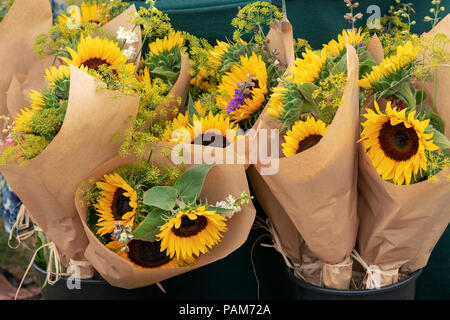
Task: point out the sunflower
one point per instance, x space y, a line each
303 135
404 56
309 68
191 232
94 52
89 12
396 143
118 203
180 122
216 54
174 39
213 130
276 103
243 90
335 48
22 122
143 255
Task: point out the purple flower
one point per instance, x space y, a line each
238 99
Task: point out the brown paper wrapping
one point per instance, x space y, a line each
400 225
176 99
281 39
317 188
18 31
121 273
46 183
33 76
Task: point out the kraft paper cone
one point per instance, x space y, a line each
176 98
18 31
121 273
375 48
281 39
125 19
317 188
46 183
400 225
23 82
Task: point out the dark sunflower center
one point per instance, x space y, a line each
189 228
212 139
94 63
120 204
398 142
308 142
147 254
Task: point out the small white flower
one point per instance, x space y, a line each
130 52
129 36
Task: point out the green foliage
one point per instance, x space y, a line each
190 184
296 104
165 65
150 226
162 197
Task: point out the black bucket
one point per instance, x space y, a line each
90 289
403 290
231 278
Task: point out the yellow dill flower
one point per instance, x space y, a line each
405 55
309 68
396 144
250 78
191 233
174 39
303 135
335 48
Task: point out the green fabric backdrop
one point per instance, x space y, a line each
318 22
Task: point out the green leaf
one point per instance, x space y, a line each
150 227
437 122
307 89
191 108
190 183
440 140
162 197
421 95
341 65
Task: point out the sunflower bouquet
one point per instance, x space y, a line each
94 77
152 220
404 155
232 82
315 107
